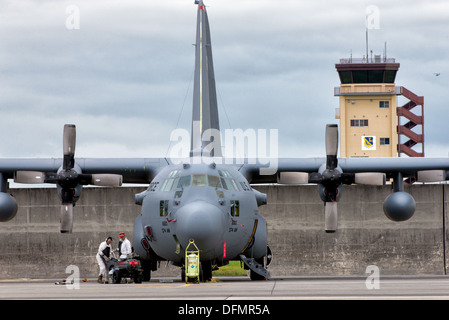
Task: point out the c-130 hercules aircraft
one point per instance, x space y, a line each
205 198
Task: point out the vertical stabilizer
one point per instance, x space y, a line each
205 111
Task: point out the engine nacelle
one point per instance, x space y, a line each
8 207
399 206
77 189
322 192
76 194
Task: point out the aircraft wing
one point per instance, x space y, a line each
408 167
133 170
330 174
69 175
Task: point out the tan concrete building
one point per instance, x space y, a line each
369 117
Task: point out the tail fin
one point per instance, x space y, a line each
205 122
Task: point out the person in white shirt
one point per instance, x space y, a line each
125 247
103 254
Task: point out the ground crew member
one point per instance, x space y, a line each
104 252
125 247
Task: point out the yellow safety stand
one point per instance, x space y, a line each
192 263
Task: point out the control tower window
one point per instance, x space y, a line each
384 104
359 123
345 77
390 75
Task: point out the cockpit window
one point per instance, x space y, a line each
199 180
171 181
227 181
224 174
214 182
174 181
173 174
184 182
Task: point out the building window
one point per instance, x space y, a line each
359 123
384 104
384 141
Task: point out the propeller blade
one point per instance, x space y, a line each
66 218
331 146
69 142
330 217
370 178
331 139
29 177
107 180
69 139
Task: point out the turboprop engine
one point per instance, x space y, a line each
331 178
398 206
69 179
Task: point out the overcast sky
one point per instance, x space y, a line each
125 77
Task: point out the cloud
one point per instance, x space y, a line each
125 77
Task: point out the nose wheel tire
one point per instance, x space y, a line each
205 272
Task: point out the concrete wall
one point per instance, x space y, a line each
31 245
364 237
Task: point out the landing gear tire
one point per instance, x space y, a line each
206 271
146 276
255 277
138 278
116 277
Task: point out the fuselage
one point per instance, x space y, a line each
214 205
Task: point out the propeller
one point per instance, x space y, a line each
330 179
68 179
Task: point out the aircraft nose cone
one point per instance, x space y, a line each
202 222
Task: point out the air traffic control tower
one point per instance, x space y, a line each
371 123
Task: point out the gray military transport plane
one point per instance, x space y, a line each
208 198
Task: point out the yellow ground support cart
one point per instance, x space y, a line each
192 263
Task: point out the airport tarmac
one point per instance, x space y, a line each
236 288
